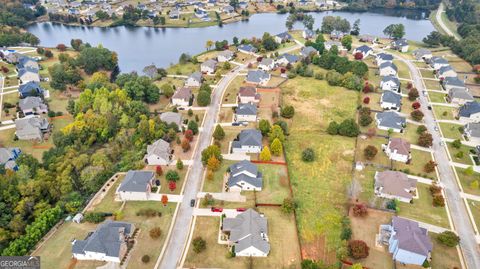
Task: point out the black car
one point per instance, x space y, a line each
192 202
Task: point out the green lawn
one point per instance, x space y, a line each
444 112
415 167
443 257
427 73
409 133
403 71
450 130
423 210
230 95
436 97
183 69
466 181
275 184
216 185
475 208
381 158
462 157
432 84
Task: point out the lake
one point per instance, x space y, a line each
141 46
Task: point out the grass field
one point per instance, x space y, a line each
463 157
450 130
436 97
275 184
475 208
466 181
415 167
444 112
216 185
432 84
230 95
403 71
381 158
427 73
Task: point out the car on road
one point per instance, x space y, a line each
442 143
424 93
435 128
192 202
181 108
241 209
235 123
217 209
429 107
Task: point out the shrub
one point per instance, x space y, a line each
308 155
199 244
417 115
429 166
219 133
265 155
416 105
435 189
333 128
448 238
179 164
456 143
348 128
459 154
358 249
421 129
155 232
94 217
360 210
413 94
172 175
370 152
425 140
147 212
366 100
158 170
287 112
288 205
365 120
392 205
145 259
438 201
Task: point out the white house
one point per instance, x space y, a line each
182 97
391 101
437 62
397 149
469 112
248 94
390 120
209 66
390 83
446 71
225 56
136 186
248 141
387 69
194 80
329 44
308 34
400 45
422 54
158 153
246 113
472 131
244 176
282 37
266 64
382 58
364 50
258 77
395 185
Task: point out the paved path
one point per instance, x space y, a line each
421 179
430 227
207 212
470 196
1 94
443 104
417 147
451 121
225 196
453 197
438 16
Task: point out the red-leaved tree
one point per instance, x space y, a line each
172 185
189 135
366 100
358 56
159 170
358 249
360 210
416 105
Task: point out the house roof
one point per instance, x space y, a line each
266 61
364 49
460 93
453 81
105 239
388 65
438 60
385 56
160 148
237 174
390 119
29 87
27 70
400 42
30 125
289 57
473 129
247 91
136 181
6 154
226 53
469 109
30 102
391 97
248 229
395 183
284 36
257 76
306 51
210 63
246 109
411 237
333 43
197 76
183 93
243 166
401 145
172 117
27 61
445 69
247 47
419 53
248 137
391 78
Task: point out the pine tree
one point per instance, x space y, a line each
219 133
265 155
276 147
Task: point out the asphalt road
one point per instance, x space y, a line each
456 206
438 16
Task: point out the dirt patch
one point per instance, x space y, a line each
316 250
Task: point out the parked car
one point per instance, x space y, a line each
192 202
181 108
429 107
235 123
217 209
435 128
241 209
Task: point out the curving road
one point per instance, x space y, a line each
439 19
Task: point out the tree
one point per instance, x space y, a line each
213 163
347 42
268 42
172 185
421 129
290 21
358 56
172 175
212 150
155 232
164 200
355 28
360 210
308 155
287 111
185 145
48 54
395 31
219 133
158 170
448 238
61 47
199 244
416 105
365 120
358 249
333 128
76 43
264 127
145 258
370 152
348 128
366 100
276 147
179 164
209 44
425 140
265 155
417 115
469 171
167 90
203 98
189 135
308 21
93 59
429 166
276 132
193 126
413 94
288 205
457 144
356 266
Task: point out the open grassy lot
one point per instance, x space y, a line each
403 71
316 104
196 113
216 185
374 100
284 252
432 84
415 167
444 112
467 180
230 134
409 133
230 95
427 73
226 114
443 257
183 69
380 159
423 210
436 97
475 208
463 157
450 130
275 184
11 99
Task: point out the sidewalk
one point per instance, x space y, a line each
207 212
430 227
421 179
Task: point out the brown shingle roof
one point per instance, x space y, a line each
183 93
402 146
395 183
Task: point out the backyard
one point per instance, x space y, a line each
275 184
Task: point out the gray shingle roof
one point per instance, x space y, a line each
391 78
248 137
473 129
460 93
248 229
364 49
31 127
289 57
385 56
391 97
172 117
210 63
306 51
453 81
444 69
29 87
284 36
136 181
226 53
266 61
469 109
438 60
31 102
238 174
247 47
256 76
159 148
246 109
183 93
387 65
400 42
197 76
395 183
390 119
411 237
419 53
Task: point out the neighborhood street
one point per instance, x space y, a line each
438 16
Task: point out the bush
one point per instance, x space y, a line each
155 232
366 100
365 120
287 112
448 238
438 201
459 155
358 249
413 94
348 128
417 115
421 129
199 244
392 205
370 152
457 143
308 155
360 210
147 212
288 205
333 128
425 140
145 259
429 166
172 175
94 217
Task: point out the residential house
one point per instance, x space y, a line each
395 185
308 51
248 94
8 157
459 96
31 128
248 141
257 77
390 120
266 64
446 71
225 56
469 112
182 97
243 5
390 83
400 45
202 14
286 59
247 49
31 88
209 66
382 58
158 153
308 34
246 112
391 101
32 105
28 74
248 234
107 243
367 38
244 176
437 62
27 62
364 50
336 35
398 149
194 80
283 37
136 186
407 241
472 131
387 69
422 54
12 57
452 82
228 9
329 44
211 3
172 117
174 14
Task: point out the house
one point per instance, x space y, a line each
248 234
174 14
282 37
308 34
364 50
182 97
257 77
308 51
446 71
32 105
248 141
209 66
225 56
211 3
329 44
12 57
31 88
158 153
382 58
8 157
136 186
247 49
31 128
194 80
28 74
244 176
27 62
286 59
248 94
336 35
459 96
407 242
367 38
266 64
201 14
390 120
172 117
397 149
390 83
452 82
243 5
469 112
422 54
437 62
387 69
228 9
391 101
246 112
395 185
400 45
472 131
107 243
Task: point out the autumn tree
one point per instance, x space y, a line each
212 150
155 232
358 249
417 115
199 244
164 200
265 155
189 135
413 94
360 210
370 152
185 145
366 100
276 132
276 147
416 105
429 166
213 163
158 170
425 140
172 185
